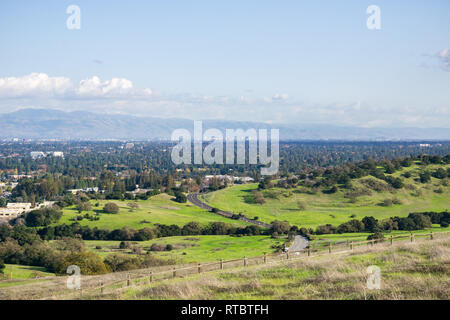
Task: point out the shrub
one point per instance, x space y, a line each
421 221
351 226
124 245
301 205
121 262
326 229
111 207
425 177
84 206
407 174
144 234
387 203
332 190
158 247
440 173
258 197
397 183
370 224
180 197
378 236
88 262
280 227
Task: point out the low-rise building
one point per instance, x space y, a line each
15 209
93 189
37 154
58 154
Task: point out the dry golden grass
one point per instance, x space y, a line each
408 271
417 270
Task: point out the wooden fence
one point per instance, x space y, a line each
147 276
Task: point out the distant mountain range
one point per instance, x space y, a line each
82 125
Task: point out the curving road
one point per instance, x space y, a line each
193 198
299 243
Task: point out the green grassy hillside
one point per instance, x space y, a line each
306 207
158 209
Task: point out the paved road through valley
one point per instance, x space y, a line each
299 243
193 198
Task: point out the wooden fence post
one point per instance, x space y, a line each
151 276
351 245
174 272
199 268
411 237
309 251
392 239
102 287
128 280
245 261
431 235
265 258
221 264
329 248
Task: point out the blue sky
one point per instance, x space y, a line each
272 61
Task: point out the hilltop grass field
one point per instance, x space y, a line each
159 209
320 208
408 271
325 239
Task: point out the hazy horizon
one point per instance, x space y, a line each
296 62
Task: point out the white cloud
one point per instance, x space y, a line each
42 85
118 95
93 87
444 58
34 84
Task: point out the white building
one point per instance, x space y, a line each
37 154
75 191
58 154
15 209
24 206
229 178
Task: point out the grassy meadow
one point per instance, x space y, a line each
319 208
14 274
188 249
157 209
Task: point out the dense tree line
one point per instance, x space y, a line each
414 221
147 162
20 246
